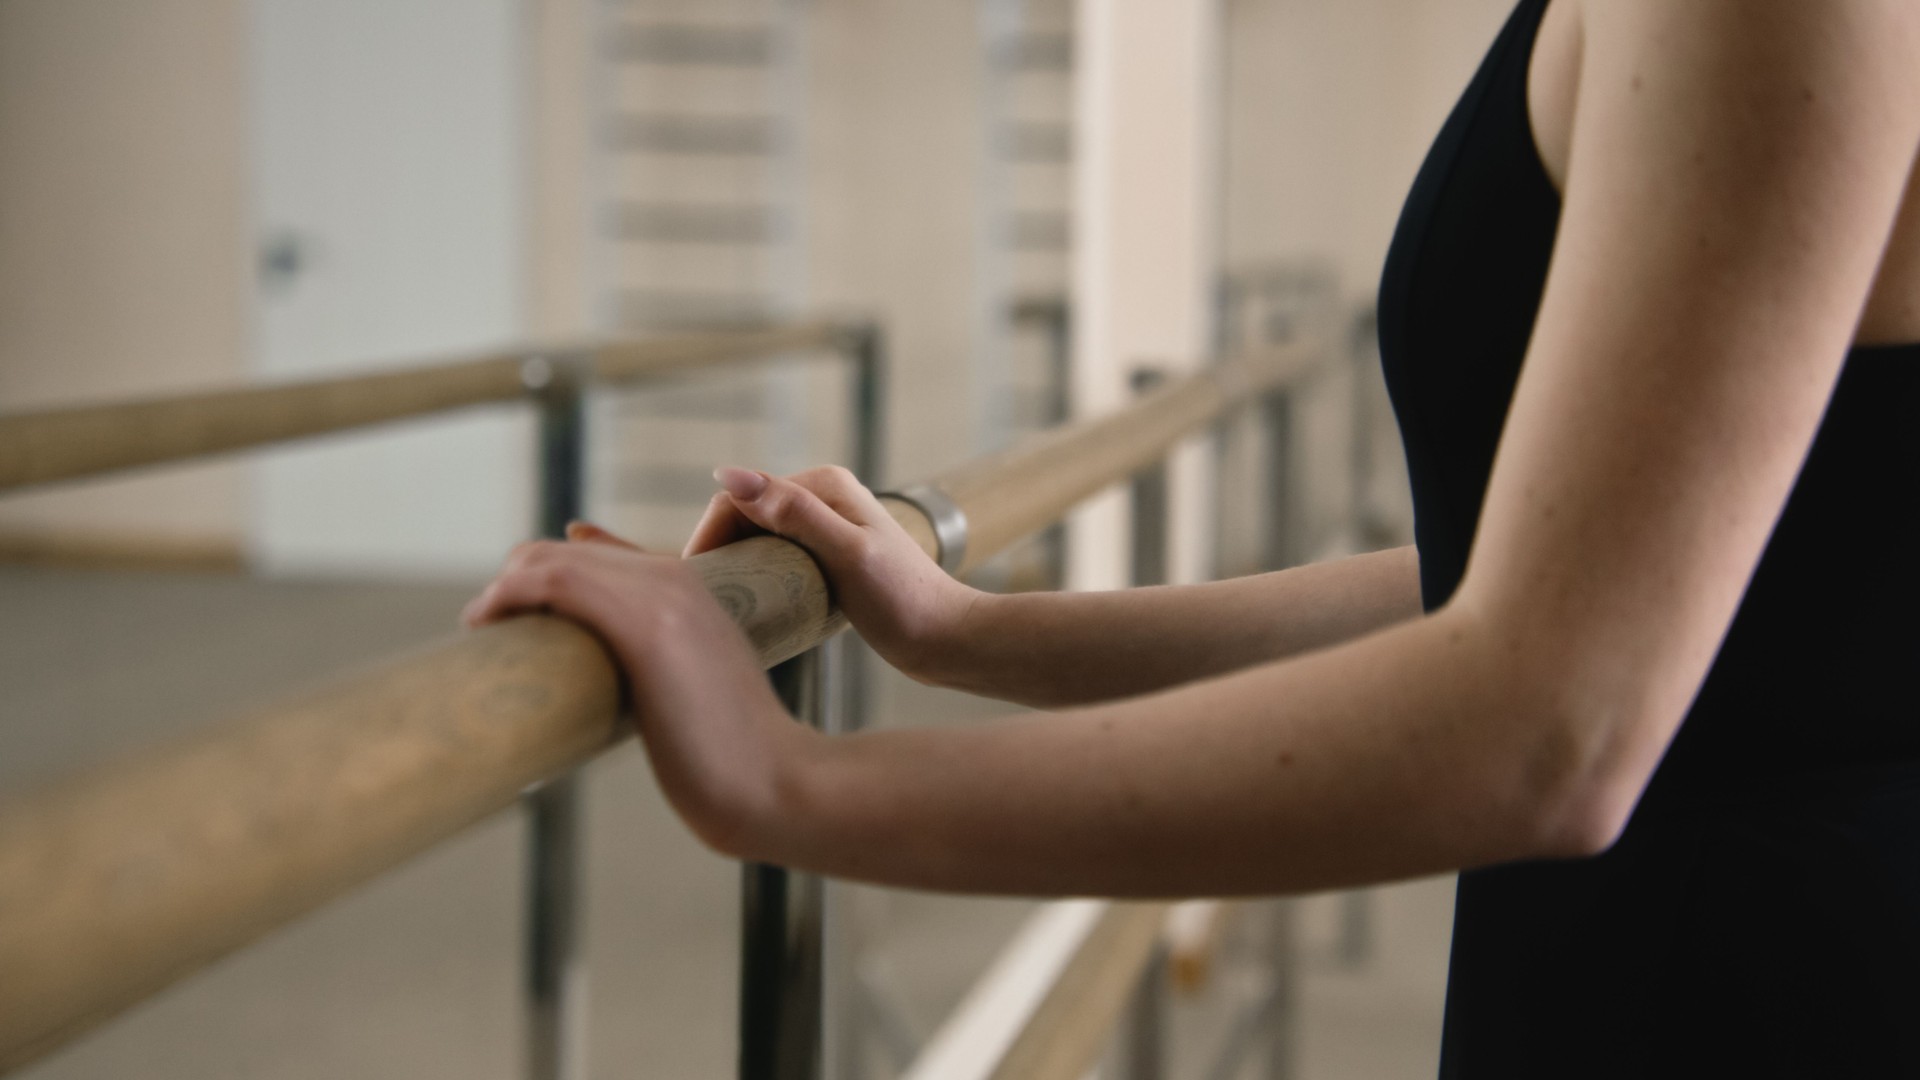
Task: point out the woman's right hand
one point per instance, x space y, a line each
902 603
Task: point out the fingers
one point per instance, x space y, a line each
744 485
794 511
727 519
722 524
586 532
539 576
535 573
532 580
843 491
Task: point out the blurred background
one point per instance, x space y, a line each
1029 197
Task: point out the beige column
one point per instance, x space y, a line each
1146 197
125 254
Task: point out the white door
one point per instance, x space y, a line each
388 213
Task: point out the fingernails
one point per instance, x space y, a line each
582 531
741 483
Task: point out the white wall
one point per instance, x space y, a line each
386 142
141 144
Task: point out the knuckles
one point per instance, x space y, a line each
776 503
836 481
532 554
865 555
550 579
542 563
831 477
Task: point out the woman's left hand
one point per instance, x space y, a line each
718 739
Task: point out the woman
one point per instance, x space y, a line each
1666 740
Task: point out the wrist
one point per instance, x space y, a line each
772 827
949 658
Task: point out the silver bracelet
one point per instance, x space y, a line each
948 520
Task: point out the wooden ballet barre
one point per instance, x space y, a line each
125 879
1056 469
1195 934
1044 1009
64 444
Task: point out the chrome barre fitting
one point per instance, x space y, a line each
536 373
948 520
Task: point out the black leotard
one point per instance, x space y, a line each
1761 913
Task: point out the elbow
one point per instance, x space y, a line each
1587 718
1585 822
1585 779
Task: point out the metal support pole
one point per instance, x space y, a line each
1059 411
1283 1008
1371 531
555 982
844 1005
866 349
1060 363
1150 504
555 987
1224 451
1356 907
840 1017
1143 1048
1270 1021
1282 502
1143 1036
782 946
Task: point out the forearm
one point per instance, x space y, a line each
1052 650
1318 772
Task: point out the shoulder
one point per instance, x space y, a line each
1767 48
1698 52
1728 111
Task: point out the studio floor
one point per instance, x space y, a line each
415 976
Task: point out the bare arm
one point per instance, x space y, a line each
1051 649
1736 168
1061 649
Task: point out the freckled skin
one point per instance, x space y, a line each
1733 173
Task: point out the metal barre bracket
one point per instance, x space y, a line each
536 373
948 520
551 373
